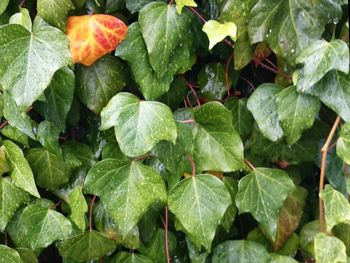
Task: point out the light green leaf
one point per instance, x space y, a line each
78 207
199 203
14 134
182 3
5 167
343 143
87 246
37 227
9 255
55 13
240 251
296 112
47 135
3 5
59 98
22 18
49 169
17 117
275 258
329 249
217 32
254 196
21 174
139 125
28 60
125 257
337 208
163 31
262 105
11 198
318 59
126 189
97 84
242 119
290 26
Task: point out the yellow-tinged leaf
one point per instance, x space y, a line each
181 3
217 32
93 36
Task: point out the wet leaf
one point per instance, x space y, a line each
329 249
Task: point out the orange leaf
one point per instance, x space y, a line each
93 36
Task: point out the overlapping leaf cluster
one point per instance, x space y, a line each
166 148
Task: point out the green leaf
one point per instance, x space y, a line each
337 208
48 135
232 186
126 189
196 255
37 227
97 84
262 105
296 112
217 32
290 26
240 251
212 81
114 6
21 174
275 258
125 257
343 143
163 30
87 246
55 13
30 61
9 255
254 196
11 198
3 5
182 3
5 167
318 59
15 135
76 152
176 94
242 119
199 203
22 18
329 249
139 125
135 6
27 255
59 98
78 207
342 231
217 145
17 117
307 237
49 169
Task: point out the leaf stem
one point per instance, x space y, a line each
324 152
193 165
166 235
171 2
2 125
190 86
92 203
251 166
186 121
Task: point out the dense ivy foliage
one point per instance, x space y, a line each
186 131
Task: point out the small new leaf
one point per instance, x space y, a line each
182 3
217 32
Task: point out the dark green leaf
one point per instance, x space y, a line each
48 135
124 257
342 231
136 5
114 5
307 237
75 152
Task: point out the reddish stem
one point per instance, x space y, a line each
248 82
187 121
193 165
227 75
189 102
185 102
91 208
166 235
251 166
190 86
2 125
171 2
271 63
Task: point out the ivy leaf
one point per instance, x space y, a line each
87 246
59 98
232 186
47 135
22 18
126 189
307 237
78 153
163 30
49 170
262 105
93 36
296 112
275 258
55 13
11 198
199 203
29 63
21 174
78 207
318 59
337 208
135 6
97 84
329 249
214 133
38 226
3 5
342 231
343 143
17 117
139 125
15 135
124 257
9 255
242 119
254 196
303 23
240 251
217 32
4 164
182 3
